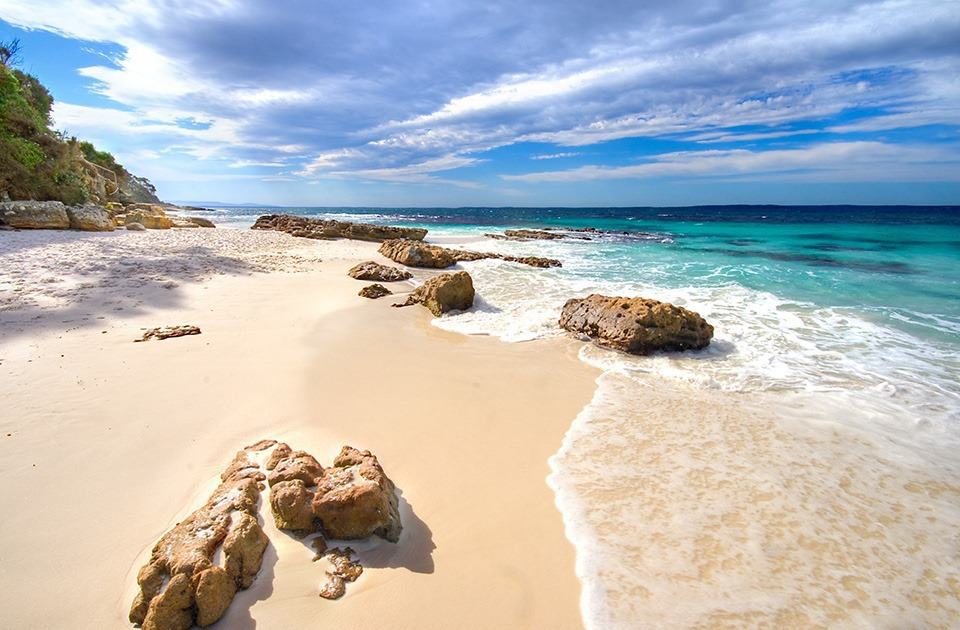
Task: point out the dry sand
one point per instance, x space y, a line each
105 443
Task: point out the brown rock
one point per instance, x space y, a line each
298 465
166 332
136 227
149 219
172 609
243 550
200 222
282 451
443 293
355 498
326 229
636 325
374 291
90 218
291 503
375 271
417 254
214 592
333 588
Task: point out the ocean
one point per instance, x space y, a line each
845 320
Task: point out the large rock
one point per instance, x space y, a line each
243 549
34 215
375 271
200 222
355 498
636 325
215 591
328 229
298 465
443 293
150 216
172 609
90 218
291 502
417 254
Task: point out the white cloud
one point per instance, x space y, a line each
554 156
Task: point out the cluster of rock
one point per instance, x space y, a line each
166 332
326 229
54 215
635 325
420 254
444 293
182 585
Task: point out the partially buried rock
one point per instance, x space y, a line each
375 271
444 293
636 325
356 499
375 291
166 332
136 227
292 505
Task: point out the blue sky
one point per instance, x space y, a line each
503 103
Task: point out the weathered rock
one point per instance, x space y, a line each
417 254
149 220
90 218
343 570
200 222
165 332
333 588
214 592
34 215
356 499
172 609
182 223
526 235
282 451
243 549
375 271
375 291
636 325
291 502
136 227
326 229
298 465
444 293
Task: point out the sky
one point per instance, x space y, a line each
505 103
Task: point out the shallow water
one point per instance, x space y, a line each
800 471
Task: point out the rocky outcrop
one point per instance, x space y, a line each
635 325
444 293
197 590
527 235
326 229
135 189
355 498
375 271
34 215
375 291
167 332
90 218
151 216
418 254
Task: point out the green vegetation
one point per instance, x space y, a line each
35 161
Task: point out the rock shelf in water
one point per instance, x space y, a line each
326 229
419 254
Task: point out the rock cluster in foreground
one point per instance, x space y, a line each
444 293
636 325
183 584
54 215
419 254
326 229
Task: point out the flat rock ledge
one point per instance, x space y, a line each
183 584
419 254
635 325
444 293
326 229
381 273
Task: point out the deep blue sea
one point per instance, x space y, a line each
842 323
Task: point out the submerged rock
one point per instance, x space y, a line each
356 499
444 293
375 271
636 325
34 215
418 254
328 229
375 291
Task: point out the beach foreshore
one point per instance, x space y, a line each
106 443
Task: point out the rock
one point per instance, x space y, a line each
136 227
243 550
636 325
443 293
326 229
173 609
526 235
34 215
200 222
417 254
282 451
291 502
355 498
90 218
375 271
344 570
215 591
166 332
137 189
375 291
149 221
298 465
333 588
179 222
